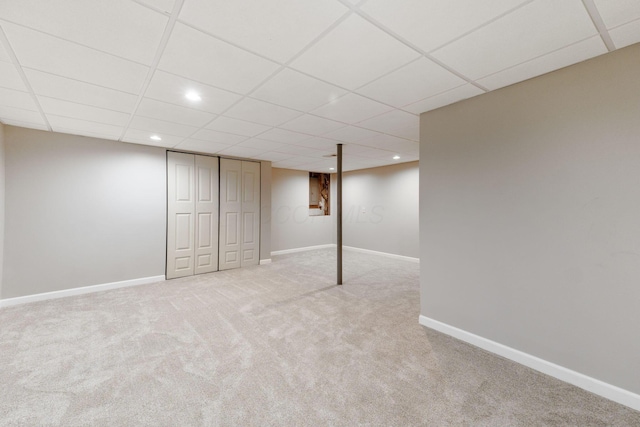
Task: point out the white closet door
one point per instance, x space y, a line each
250 249
230 213
181 213
206 214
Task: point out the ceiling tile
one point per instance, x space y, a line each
283 135
90 134
312 125
119 27
17 99
261 144
171 88
173 113
142 137
209 147
626 35
195 55
431 23
160 127
273 156
392 143
396 122
355 164
531 31
53 86
544 64
215 136
351 108
68 125
618 12
368 152
237 151
20 114
277 29
351 134
10 78
296 90
322 166
82 112
52 55
23 124
411 83
353 54
164 6
353 150
319 143
293 161
297 150
445 98
4 55
235 126
261 112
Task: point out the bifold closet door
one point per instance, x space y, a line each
250 250
239 213
206 214
180 215
192 209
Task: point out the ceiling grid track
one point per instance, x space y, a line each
593 12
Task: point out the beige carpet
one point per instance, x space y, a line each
275 345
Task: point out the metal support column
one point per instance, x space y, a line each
339 213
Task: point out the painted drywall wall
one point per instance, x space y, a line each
81 211
291 225
2 181
529 224
265 210
380 209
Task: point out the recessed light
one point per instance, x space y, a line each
192 96
155 138
332 169
396 157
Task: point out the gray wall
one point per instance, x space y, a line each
81 211
291 225
530 217
380 209
2 181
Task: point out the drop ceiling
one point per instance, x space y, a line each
282 80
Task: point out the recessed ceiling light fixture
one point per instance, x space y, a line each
332 169
155 138
192 96
396 157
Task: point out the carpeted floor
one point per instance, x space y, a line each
275 345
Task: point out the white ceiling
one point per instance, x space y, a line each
282 80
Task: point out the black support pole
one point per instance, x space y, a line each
339 213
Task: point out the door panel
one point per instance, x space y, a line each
230 212
247 231
250 213
184 231
206 207
180 215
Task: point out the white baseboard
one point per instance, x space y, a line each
265 261
304 249
386 254
593 385
79 291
